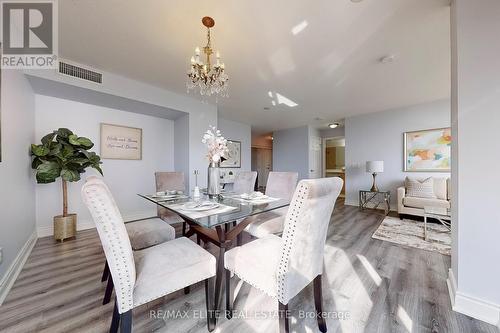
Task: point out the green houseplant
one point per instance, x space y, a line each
66 155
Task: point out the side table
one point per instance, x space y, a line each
375 197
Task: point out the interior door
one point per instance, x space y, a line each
315 157
262 162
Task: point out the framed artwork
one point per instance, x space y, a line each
121 142
428 150
233 158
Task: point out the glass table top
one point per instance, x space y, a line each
242 208
441 211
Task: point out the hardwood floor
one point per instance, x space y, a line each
374 286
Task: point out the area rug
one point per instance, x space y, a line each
411 233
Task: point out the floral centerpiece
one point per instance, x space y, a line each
216 144
217 148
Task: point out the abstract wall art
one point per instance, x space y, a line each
233 156
428 150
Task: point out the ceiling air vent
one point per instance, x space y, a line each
79 72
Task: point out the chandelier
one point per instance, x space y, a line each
207 77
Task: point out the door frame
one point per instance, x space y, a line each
323 147
263 148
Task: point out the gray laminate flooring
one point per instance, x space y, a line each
369 286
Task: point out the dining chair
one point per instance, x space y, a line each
244 182
142 234
279 185
282 266
149 274
170 181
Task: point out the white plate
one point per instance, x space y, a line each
200 208
253 196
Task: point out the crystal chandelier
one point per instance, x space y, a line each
209 78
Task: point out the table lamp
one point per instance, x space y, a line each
374 167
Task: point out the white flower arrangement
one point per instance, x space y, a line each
216 144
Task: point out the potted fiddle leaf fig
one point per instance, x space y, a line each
66 155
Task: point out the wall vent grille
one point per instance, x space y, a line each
79 72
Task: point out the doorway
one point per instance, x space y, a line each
262 162
334 159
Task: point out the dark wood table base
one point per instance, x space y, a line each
223 236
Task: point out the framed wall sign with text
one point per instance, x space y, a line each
121 142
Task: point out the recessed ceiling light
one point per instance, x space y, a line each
333 125
267 108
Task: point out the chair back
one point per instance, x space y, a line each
168 181
281 184
114 239
304 234
244 182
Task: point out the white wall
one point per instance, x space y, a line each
379 136
233 130
17 184
181 147
125 178
291 151
201 114
475 126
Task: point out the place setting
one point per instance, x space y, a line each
253 198
201 208
163 196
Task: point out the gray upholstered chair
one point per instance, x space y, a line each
149 274
170 181
142 234
244 182
279 185
282 266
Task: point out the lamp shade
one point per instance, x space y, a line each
374 166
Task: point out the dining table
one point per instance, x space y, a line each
222 226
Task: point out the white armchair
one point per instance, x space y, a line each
415 206
282 266
148 274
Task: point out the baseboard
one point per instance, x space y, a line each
16 266
452 286
472 306
84 224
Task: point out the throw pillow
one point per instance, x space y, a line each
420 188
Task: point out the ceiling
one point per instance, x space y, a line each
331 68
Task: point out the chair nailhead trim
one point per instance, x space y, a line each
288 236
